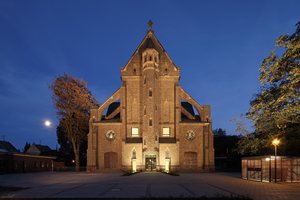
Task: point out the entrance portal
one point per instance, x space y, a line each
150 162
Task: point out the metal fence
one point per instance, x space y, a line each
262 168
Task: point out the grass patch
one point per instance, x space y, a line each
170 173
130 173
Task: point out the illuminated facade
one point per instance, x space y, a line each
150 123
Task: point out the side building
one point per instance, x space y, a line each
150 123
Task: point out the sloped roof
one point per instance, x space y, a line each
7 147
43 148
112 107
188 107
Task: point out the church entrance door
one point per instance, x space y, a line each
150 162
110 160
190 160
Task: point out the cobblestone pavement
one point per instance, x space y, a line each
145 184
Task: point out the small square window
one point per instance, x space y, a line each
166 132
135 132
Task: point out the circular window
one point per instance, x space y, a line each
110 135
190 135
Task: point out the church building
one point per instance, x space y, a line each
150 122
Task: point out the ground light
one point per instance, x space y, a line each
275 143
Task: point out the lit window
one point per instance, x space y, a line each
135 132
166 132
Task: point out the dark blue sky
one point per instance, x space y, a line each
218 45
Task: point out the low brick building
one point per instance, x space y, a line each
19 162
150 123
12 161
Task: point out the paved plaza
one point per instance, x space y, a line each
144 184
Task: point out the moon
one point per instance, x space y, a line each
47 123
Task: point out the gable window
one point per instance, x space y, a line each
134 132
166 132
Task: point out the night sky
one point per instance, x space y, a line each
218 45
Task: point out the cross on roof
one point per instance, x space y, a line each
150 24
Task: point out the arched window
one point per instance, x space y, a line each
166 71
134 71
150 93
150 122
134 154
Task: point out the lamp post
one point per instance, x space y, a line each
275 142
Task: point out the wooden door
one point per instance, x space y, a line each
110 160
190 160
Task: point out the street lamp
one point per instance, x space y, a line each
275 142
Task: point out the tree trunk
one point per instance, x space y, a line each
76 152
77 161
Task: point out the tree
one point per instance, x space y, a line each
72 99
26 147
275 108
278 102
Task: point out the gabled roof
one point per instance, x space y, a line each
37 149
150 41
7 147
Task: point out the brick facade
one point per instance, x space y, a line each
149 127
